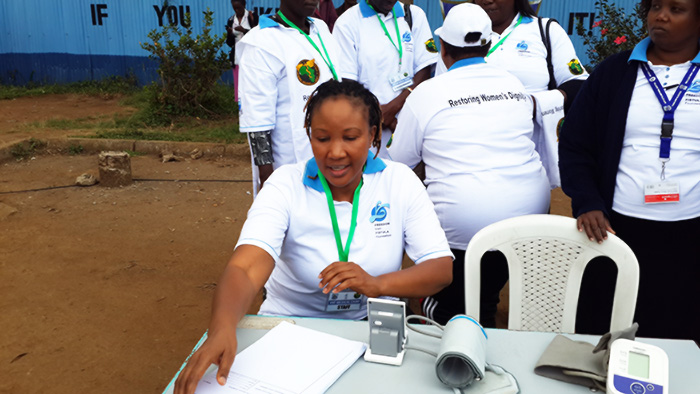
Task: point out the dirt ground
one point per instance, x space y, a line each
107 290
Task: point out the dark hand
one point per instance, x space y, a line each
595 224
389 111
218 349
240 28
347 275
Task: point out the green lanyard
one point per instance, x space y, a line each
520 19
343 253
327 58
398 36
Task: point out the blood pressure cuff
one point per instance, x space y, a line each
462 356
565 355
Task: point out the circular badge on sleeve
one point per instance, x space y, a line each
575 67
430 46
559 125
308 72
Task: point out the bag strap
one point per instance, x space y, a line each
547 41
408 17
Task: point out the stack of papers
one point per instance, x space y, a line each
288 360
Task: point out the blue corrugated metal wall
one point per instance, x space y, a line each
72 40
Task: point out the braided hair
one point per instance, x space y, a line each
356 93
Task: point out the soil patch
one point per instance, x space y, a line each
20 117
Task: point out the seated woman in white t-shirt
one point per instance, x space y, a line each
295 240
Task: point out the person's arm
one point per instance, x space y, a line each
244 276
390 109
579 159
569 73
257 85
261 149
407 144
346 36
230 37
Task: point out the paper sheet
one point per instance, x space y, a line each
288 360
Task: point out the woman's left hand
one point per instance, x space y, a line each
347 275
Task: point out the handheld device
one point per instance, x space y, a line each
387 331
637 368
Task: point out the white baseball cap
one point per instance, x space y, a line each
463 19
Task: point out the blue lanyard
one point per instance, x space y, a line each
669 107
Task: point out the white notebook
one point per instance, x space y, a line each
289 359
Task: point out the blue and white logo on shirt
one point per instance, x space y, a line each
406 37
695 87
379 212
522 46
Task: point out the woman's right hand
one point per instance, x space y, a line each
595 224
220 349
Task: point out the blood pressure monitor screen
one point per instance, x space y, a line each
638 365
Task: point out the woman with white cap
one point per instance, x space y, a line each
481 166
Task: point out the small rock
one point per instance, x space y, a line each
196 154
86 180
6 211
166 157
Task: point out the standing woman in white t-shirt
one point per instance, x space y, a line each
324 235
519 49
630 161
282 61
389 48
237 26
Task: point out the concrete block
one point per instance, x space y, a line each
115 168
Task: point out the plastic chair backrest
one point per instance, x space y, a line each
547 256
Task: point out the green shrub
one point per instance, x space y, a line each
75 149
189 68
26 149
614 31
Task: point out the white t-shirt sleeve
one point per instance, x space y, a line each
259 76
421 32
563 53
424 238
345 34
407 143
268 218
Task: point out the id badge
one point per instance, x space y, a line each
346 300
400 81
662 192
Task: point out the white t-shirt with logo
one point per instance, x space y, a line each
639 161
472 126
369 57
524 55
279 69
290 221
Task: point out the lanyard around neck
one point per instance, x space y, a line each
327 58
343 253
398 47
493 48
669 107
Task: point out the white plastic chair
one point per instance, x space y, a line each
546 257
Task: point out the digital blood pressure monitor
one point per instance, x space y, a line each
637 368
